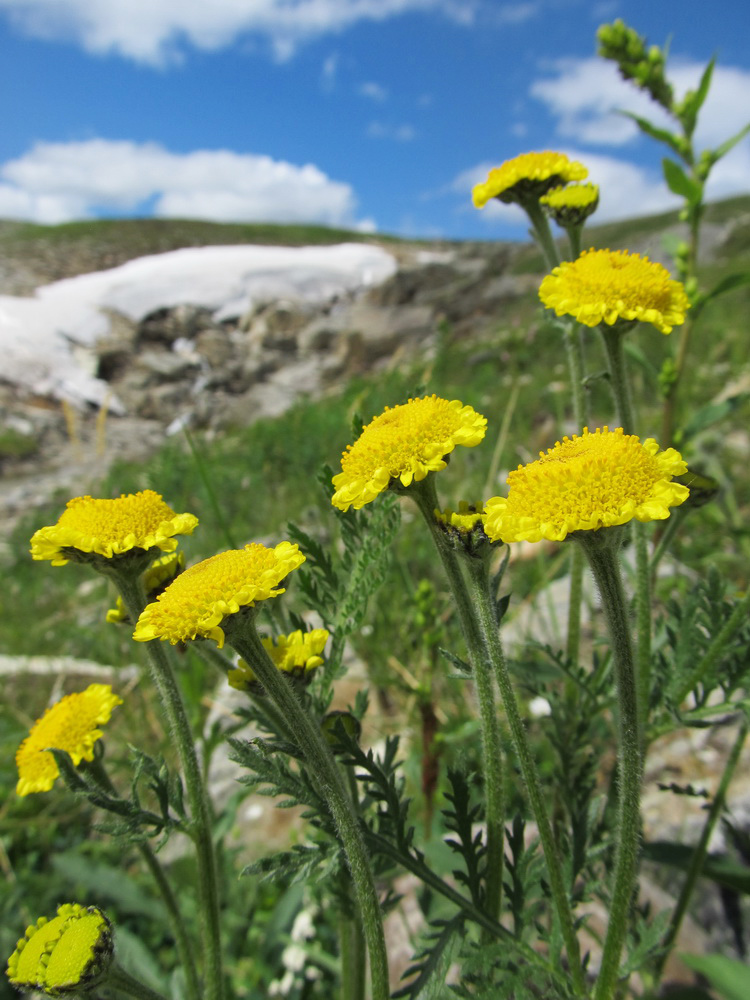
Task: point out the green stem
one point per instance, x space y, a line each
425 874
601 549
701 849
541 231
737 618
487 624
642 619
425 498
321 763
613 345
119 979
353 957
574 352
179 728
177 924
575 233
573 644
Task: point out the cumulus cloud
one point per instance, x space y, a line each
583 95
159 31
56 182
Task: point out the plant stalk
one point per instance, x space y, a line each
244 639
200 812
601 549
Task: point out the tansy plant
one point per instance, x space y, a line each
522 875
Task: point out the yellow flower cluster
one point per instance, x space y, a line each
67 954
603 286
402 444
71 724
529 175
196 603
467 517
112 527
571 205
584 483
296 654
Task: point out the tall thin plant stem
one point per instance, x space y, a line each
200 812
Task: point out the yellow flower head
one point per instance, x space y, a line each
71 724
527 176
465 519
296 654
111 527
196 603
602 286
571 205
161 572
584 483
404 443
67 954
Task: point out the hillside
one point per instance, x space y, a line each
32 254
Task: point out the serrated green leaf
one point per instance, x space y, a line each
679 183
727 284
711 414
730 977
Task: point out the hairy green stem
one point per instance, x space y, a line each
487 623
575 600
701 849
242 636
425 497
353 957
200 812
176 924
541 231
601 549
613 342
574 353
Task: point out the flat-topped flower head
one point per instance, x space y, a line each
197 602
465 519
67 954
604 286
571 205
584 483
403 444
159 574
111 528
528 177
71 724
296 654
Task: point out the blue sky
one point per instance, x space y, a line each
370 114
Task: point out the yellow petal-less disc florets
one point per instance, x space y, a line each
71 724
602 286
571 205
404 443
67 954
111 527
584 483
296 654
529 175
198 601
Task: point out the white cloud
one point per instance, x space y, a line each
374 91
158 31
56 182
400 133
583 94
